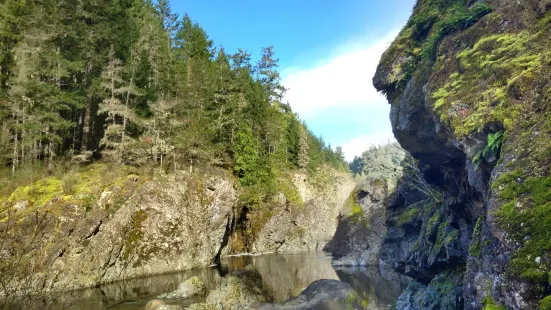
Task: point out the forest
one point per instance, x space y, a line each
131 83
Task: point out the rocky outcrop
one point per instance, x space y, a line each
190 288
379 285
467 104
322 295
241 290
292 227
443 292
170 223
361 226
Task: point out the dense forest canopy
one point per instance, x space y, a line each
130 82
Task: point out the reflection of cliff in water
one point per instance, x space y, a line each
283 276
380 286
130 294
286 276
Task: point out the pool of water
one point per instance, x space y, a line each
283 275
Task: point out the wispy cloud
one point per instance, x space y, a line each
343 81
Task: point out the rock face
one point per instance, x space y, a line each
189 288
361 226
173 222
323 295
240 290
471 226
308 226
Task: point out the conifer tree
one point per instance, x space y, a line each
303 154
246 156
115 105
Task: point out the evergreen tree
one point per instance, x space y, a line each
127 81
356 166
293 141
266 69
246 156
303 153
115 105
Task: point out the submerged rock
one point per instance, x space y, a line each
161 305
240 290
322 295
187 289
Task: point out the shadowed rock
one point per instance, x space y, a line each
322 295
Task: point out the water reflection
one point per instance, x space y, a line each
380 286
284 276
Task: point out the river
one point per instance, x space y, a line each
283 275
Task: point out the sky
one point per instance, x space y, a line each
328 52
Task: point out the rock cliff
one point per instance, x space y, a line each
104 224
137 227
361 226
303 221
469 88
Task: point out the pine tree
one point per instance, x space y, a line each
246 156
303 156
293 141
266 69
115 105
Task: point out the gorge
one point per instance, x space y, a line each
193 160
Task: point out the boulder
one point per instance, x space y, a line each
241 290
322 295
187 289
161 305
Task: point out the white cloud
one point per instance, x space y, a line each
343 80
357 145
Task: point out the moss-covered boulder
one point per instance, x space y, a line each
240 290
190 288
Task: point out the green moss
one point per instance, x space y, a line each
475 248
435 219
409 215
38 193
545 304
495 72
286 186
351 204
135 233
357 210
353 300
489 304
445 237
430 23
526 215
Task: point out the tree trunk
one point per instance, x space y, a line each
50 157
15 153
85 143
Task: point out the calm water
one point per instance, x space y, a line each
283 275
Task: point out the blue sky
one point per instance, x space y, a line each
328 52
